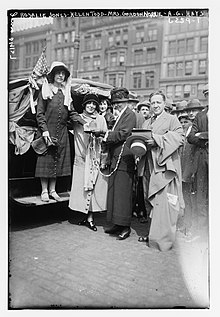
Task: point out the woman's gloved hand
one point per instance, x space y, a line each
47 138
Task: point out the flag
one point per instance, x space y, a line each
41 67
37 77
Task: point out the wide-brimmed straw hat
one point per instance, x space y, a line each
136 142
58 66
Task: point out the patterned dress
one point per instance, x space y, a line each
52 116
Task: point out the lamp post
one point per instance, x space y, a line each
76 48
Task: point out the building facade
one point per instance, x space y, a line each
184 64
28 45
138 53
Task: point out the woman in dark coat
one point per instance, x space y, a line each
54 109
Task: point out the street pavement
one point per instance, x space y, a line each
54 263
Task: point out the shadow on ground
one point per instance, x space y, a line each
21 218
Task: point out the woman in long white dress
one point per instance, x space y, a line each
89 186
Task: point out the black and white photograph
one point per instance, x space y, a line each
108 159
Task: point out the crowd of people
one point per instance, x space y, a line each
145 158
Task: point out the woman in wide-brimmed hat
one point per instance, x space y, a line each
89 187
54 109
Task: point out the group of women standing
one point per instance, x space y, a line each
54 110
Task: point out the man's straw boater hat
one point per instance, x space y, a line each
136 142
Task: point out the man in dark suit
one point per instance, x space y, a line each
199 137
122 166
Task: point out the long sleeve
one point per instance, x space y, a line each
198 127
126 125
74 116
40 116
170 141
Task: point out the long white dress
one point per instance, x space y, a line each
89 187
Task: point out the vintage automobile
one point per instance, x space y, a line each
24 188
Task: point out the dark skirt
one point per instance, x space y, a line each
119 203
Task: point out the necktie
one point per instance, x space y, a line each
153 118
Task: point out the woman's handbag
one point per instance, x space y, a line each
40 147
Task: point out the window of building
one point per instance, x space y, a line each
66 22
14 64
66 53
98 41
88 43
178 91
28 48
139 34
112 80
202 67
110 39
59 38
190 45
120 80
86 63
66 37
72 53
172 48
125 36
199 91
113 59
138 57
117 37
95 78
188 68
58 23
179 69
169 91
34 61
187 91
73 36
27 62
122 58
149 76
137 80
59 54
152 34
204 43
180 46
96 62
171 70
35 47
151 55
